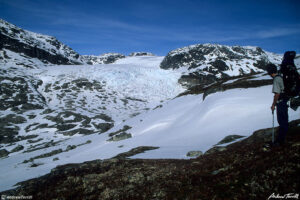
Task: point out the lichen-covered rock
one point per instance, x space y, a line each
67 122
55 159
215 149
17 148
12 118
124 129
70 147
8 134
104 126
64 127
3 153
45 155
82 131
194 154
230 138
120 136
20 93
134 151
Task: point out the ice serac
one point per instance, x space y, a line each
106 58
207 63
45 48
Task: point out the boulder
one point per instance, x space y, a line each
194 154
230 138
17 148
121 136
3 153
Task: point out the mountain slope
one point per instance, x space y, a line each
206 63
45 48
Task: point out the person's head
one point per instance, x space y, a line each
271 69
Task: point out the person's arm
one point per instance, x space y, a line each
275 99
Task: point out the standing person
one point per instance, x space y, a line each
280 102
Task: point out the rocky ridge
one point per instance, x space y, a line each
203 64
246 81
27 48
243 170
33 45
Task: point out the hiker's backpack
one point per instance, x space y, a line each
290 76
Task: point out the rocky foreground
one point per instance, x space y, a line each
243 170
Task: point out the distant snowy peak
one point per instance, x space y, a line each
106 58
141 54
109 58
206 63
43 47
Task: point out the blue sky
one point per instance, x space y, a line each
159 26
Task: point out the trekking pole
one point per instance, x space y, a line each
273 128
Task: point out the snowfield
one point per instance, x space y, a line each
175 125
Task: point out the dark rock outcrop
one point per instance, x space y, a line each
208 63
33 51
19 91
3 153
45 48
221 85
